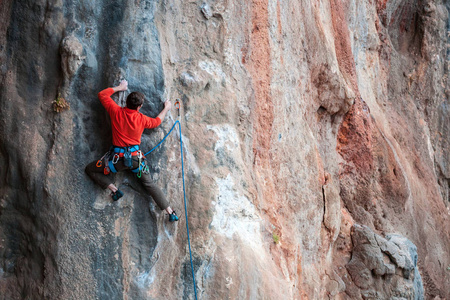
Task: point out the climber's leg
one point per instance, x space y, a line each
156 193
158 196
97 175
103 180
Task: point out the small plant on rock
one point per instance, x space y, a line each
60 104
276 238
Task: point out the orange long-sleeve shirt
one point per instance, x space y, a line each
127 124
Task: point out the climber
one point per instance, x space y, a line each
128 125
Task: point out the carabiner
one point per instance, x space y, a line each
177 105
145 169
115 158
99 162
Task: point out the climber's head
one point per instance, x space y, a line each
135 100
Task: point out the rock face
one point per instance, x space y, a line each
383 268
316 142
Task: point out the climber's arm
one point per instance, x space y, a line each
167 106
155 122
105 96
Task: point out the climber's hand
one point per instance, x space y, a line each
123 86
162 114
167 105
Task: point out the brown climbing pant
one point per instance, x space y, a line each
97 175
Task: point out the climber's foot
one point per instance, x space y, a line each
173 217
117 195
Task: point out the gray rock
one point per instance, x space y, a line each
412 258
370 264
71 55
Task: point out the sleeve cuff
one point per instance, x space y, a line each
109 91
106 92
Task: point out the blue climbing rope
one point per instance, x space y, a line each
184 193
164 139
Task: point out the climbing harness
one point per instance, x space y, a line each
110 158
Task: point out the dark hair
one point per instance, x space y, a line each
134 100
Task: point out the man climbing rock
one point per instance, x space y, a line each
128 125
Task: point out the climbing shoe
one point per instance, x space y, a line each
173 217
117 195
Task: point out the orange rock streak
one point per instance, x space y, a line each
355 136
259 66
342 44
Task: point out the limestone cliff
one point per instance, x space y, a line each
316 142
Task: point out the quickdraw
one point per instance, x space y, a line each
140 166
177 106
100 161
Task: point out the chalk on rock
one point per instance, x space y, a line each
187 79
206 10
